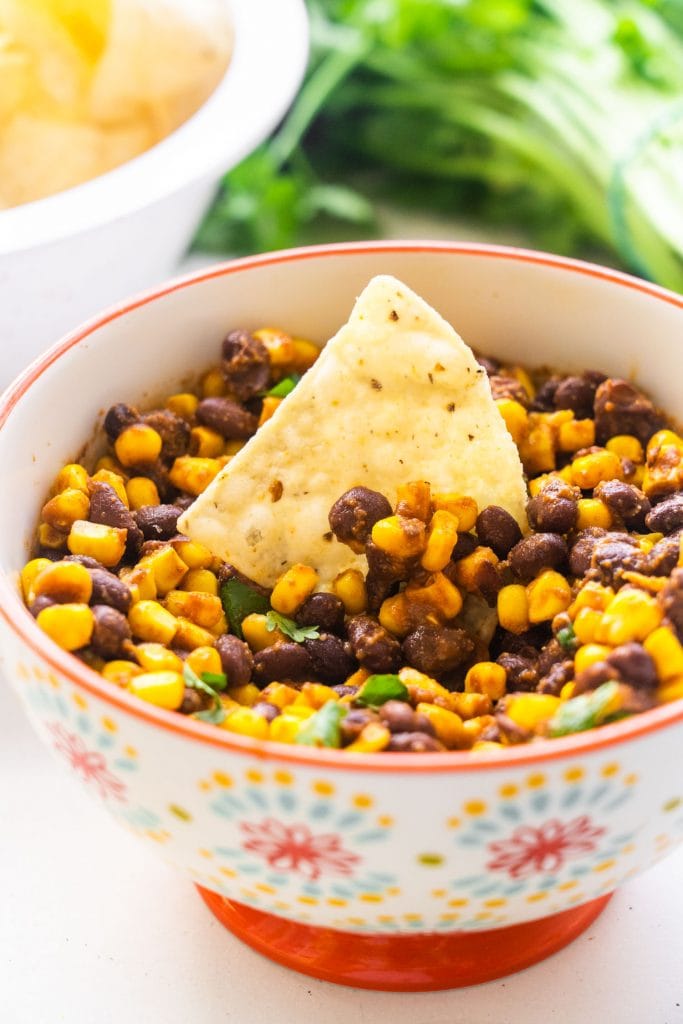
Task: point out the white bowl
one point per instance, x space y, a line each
65 257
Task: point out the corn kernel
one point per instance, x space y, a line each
202 609
72 477
28 575
205 659
441 539
305 354
257 634
115 481
671 690
548 595
397 616
206 443
349 587
626 447
470 570
666 651
486 677
107 544
464 508
448 726
631 616
110 464
285 728
141 492
487 747
292 589
184 404
50 538
138 445
141 583
647 541
422 687
586 625
662 439
373 737
590 654
213 383
537 449
163 689
591 595
193 554
270 404
516 418
64 582
593 512
513 608
154 657
247 695
189 635
414 500
65 508
567 691
398 536
69 625
280 345
120 672
438 594
529 710
247 723
590 470
576 434
167 567
470 705
318 694
279 694
149 621
191 474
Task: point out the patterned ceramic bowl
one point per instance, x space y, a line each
386 870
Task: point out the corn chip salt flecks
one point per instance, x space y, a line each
395 396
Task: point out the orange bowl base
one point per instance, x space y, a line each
423 962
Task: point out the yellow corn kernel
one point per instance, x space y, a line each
111 465
470 705
567 691
464 509
50 538
447 725
220 627
422 687
538 483
590 470
141 491
115 481
626 446
647 541
414 500
64 582
349 587
520 374
72 477
193 554
468 570
631 616
163 689
513 608
201 581
184 404
399 536
548 595
138 445
120 672
257 634
280 346
441 539
141 583
279 694
586 625
516 418
666 651
107 544
191 474
202 609
671 690
486 677
591 595
189 635
589 655
270 404
149 621
247 723
663 472
537 449
529 710
213 383
65 508
154 657
28 575
373 737
487 747
440 595
246 695
69 625
318 694
205 659
576 434
305 354
397 616
285 728
206 443
168 568
662 439
292 589
593 512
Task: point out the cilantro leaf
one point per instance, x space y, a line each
322 728
284 387
586 711
216 713
378 689
240 600
567 638
218 680
289 627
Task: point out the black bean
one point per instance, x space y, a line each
173 430
627 503
620 408
282 662
492 366
236 659
193 701
110 590
511 730
399 716
384 571
577 394
266 710
414 743
119 417
535 553
110 632
158 522
497 529
354 722
246 364
634 665
613 555
663 558
581 553
544 399
558 675
107 508
464 546
331 657
522 673
435 649
555 508
322 610
667 515
354 514
373 646
672 601
40 603
508 387
86 560
227 417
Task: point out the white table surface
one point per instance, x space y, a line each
94 929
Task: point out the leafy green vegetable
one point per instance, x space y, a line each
216 713
284 387
240 600
218 680
586 711
289 627
322 728
567 638
564 117
379 689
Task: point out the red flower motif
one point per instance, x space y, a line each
545 848
295 848
90 764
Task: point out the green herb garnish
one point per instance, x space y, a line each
323 728
284 387
240 600
377 690
567 639
218 680
289 627
586 711
216 713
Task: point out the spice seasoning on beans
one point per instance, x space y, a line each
465 633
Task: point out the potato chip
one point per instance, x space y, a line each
395 396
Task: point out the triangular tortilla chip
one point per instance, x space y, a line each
395 396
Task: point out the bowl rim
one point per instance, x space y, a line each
200 147
18 619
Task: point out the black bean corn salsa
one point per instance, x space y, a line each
463 635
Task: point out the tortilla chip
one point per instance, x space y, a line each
395 396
